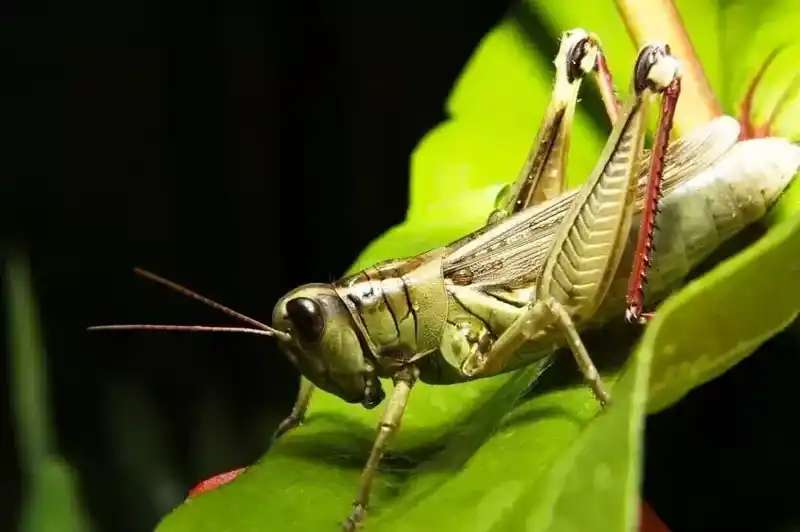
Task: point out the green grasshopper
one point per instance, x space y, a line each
544 268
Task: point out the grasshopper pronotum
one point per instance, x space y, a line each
546 265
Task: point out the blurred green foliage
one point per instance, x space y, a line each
51 500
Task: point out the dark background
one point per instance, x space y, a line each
245 149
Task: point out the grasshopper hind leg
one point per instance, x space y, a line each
543 176
587 247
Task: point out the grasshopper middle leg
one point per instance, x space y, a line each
538 316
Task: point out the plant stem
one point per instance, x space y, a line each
659 20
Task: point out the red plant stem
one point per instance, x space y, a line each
746 107
644 244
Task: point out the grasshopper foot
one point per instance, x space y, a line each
290 422
600 392
645 317
355 518
635 315
298 413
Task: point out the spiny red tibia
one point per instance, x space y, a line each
215 482
649 520
750 130
644 242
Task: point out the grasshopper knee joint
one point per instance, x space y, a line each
655 69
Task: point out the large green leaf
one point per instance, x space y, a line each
466 456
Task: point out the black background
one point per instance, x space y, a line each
244 149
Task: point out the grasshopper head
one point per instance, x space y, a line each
313 327
325 345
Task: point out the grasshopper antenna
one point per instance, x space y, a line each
258 327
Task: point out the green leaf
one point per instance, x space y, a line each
474 457
718 320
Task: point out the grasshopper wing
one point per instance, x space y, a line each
509 254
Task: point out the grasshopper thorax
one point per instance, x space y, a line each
325 344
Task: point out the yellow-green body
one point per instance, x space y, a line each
433 308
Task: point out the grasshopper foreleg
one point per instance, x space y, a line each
403 383
298 413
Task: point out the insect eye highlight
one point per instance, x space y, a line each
307 317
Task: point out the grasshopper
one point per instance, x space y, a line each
545 267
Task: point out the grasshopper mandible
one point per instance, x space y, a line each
547 264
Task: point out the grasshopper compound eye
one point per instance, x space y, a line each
307 317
